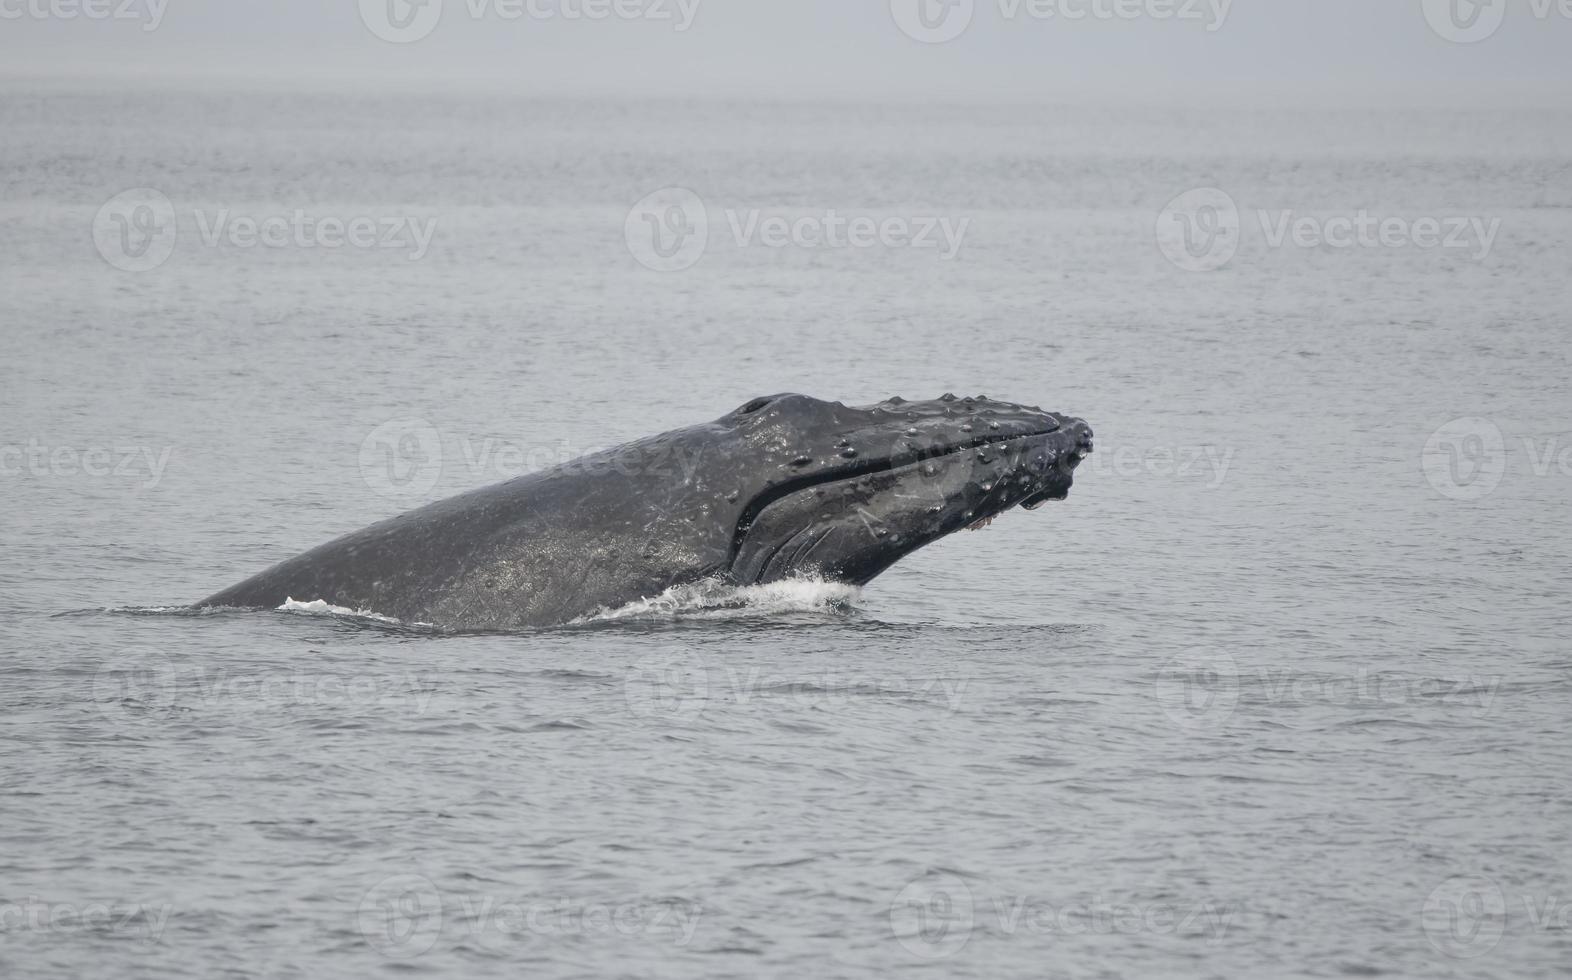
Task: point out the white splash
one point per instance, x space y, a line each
321 607
715 599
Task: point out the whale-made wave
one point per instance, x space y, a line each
713 599
709 599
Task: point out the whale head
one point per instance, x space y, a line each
813 488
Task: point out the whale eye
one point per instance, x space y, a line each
753 406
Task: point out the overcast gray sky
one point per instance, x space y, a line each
1009 49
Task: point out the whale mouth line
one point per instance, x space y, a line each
770 495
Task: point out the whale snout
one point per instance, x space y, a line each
983 455
1083 437
979 418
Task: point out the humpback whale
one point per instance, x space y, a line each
784 486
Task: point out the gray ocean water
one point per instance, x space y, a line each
1283 689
